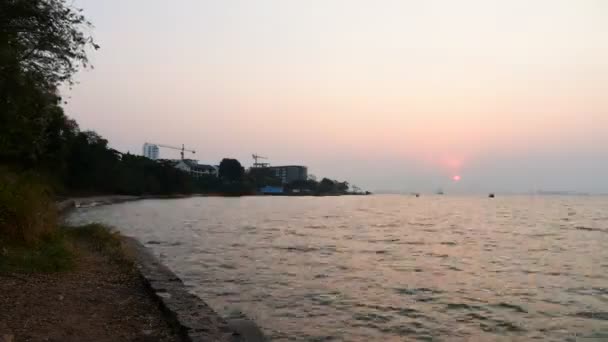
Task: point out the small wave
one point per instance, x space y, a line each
589 291
384 240
227 266
590 229
464 306
472 316
421 224
324 298
401 311
415 291
372 317
304 249
501 326
454 268
603 316
316 226
448 243
436 255
513 307
226 293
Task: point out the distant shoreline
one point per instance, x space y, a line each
66 204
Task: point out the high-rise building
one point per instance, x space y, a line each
290 173
151 151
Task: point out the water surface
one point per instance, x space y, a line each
387 267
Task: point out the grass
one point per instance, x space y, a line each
28 214
54 253
31 238
58 252
101 239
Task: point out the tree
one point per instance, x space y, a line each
326 186
42 44
342 187
44 38
231 170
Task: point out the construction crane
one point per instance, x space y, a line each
181 149
256 159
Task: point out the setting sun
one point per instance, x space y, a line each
456 178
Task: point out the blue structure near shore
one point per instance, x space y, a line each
272 190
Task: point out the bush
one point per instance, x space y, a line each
53 253
27 209
103 240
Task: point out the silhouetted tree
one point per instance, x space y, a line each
231 170
326 186
342 187
42 44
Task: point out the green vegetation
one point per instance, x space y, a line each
43 43
101 239
57 251
43 153
231 170
325 187
27 211
54 253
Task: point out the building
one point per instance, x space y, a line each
195 169
289 173
150 151
271 190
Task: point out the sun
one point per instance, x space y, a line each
456 178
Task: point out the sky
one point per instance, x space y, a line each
402 95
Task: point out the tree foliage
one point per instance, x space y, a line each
42 44
231 170
325 187
43 39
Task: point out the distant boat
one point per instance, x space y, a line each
491 195
439 192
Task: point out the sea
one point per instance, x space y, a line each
386 267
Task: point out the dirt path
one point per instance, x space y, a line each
98 301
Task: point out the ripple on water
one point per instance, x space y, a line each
603 316
509 306
448 243
416 291
591 229
372 317
302 249
334 269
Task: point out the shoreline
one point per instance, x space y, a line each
66 204
188 315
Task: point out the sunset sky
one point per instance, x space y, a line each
511 95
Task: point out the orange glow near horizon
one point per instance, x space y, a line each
435 89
